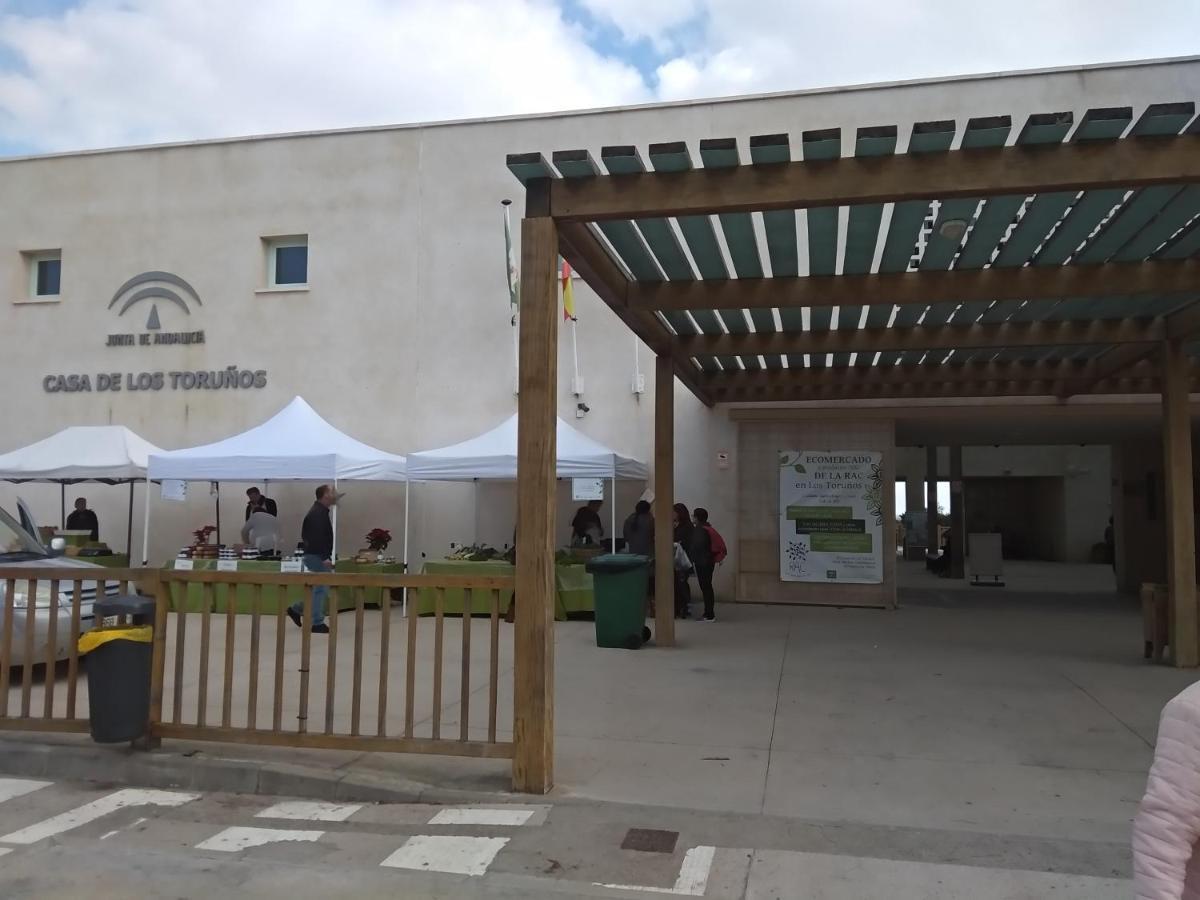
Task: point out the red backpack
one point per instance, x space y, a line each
719 550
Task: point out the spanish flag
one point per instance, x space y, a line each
568 294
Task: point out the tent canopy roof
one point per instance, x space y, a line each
493 456
295 444
81 453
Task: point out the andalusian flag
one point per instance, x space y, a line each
514 279
568 294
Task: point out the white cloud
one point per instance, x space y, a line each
127 71
773 45
124 71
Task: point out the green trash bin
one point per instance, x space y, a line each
621 582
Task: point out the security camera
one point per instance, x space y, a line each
581 410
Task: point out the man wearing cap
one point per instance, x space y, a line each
316 533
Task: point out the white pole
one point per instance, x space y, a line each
404 591
613 512
335 506
146 528
575 352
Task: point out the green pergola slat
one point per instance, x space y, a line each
1184 246
998 213
1182 208
1000 311
1106 124
625 160
822 221
529 166
722 153
1046 128
1163 119
708 363
1088 212
927 137
940 250
1040 216
1138 211
697 231
862 227
779 227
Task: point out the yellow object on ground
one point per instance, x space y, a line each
90 640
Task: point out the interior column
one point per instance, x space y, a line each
533 688
664 501
958 535
1181 548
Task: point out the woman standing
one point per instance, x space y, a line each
683 540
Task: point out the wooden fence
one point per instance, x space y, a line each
253 677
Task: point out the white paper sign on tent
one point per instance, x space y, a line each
183 565
587 489
173 489
291 565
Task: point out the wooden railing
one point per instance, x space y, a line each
208 680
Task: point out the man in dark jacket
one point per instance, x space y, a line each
256 502
316 533
84 519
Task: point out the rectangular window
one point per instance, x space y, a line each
287 262
45 274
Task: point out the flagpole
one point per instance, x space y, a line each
510 264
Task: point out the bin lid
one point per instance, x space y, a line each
124 605
612 563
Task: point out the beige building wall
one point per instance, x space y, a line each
402 337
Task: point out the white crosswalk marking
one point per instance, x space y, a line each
477 815
90 812
310 811
692 880
451 855
19 787
238 838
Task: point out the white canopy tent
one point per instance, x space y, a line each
107 453
492 456
295 444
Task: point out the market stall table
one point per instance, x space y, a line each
270 593
573 588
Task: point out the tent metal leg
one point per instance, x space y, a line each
146 528
612 502
62 501
129 527
404 591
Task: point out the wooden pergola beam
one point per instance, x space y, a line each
905 288
580 247
1061 372
1020 169
910 391
925 337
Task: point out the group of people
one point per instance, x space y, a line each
699 548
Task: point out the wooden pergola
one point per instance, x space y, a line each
1048 257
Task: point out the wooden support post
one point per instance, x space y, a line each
1181 548
958 531
533 691
931 504
664 501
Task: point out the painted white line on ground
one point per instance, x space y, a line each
478 815
692 880
310 811
238 838
19 787
90 812
448 854
132 825
4 851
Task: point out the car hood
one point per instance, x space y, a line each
50 562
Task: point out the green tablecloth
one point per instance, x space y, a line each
114 561
270 593
573 588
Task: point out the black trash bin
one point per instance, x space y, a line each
119 666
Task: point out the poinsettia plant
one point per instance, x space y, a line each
201 534
378 539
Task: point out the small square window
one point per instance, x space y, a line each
45 274
287 262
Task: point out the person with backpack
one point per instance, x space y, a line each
707 551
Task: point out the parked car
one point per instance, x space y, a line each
21 548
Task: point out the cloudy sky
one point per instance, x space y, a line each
91 73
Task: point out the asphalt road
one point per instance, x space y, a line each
88 841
